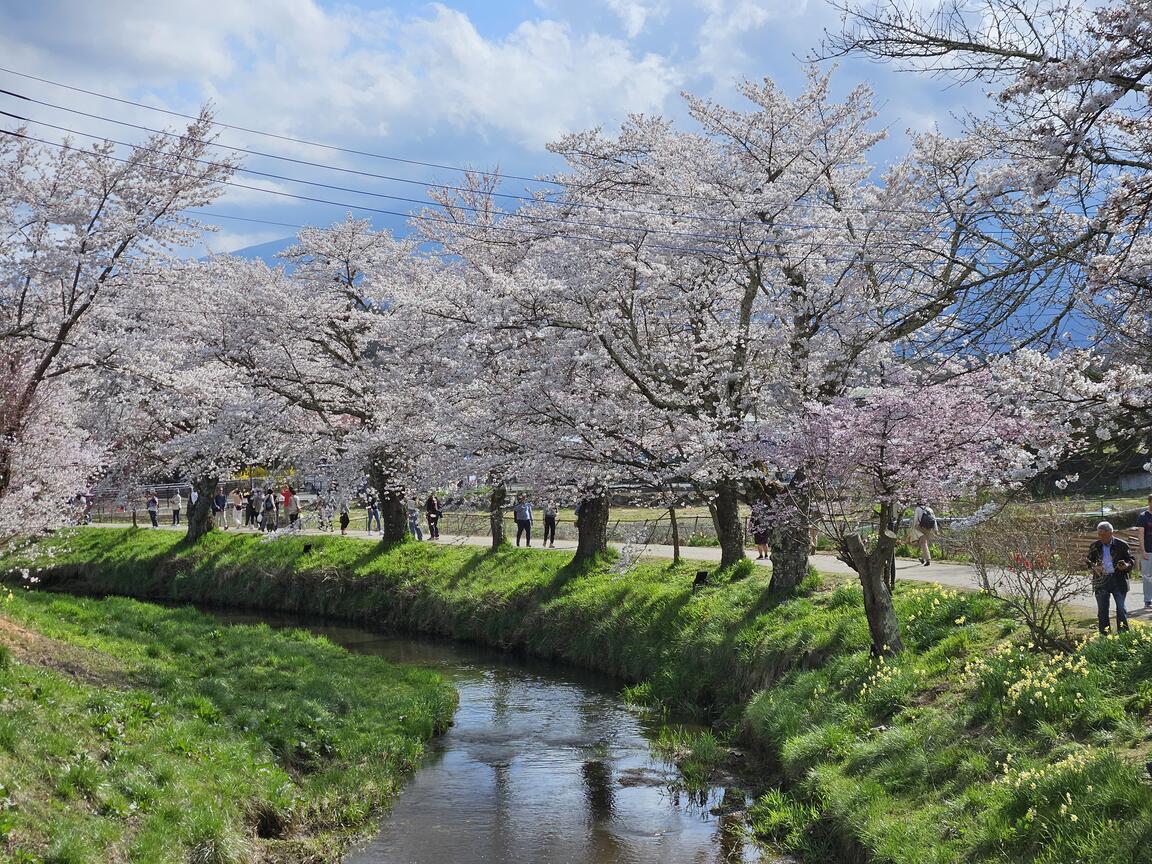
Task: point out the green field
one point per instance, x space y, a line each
134 732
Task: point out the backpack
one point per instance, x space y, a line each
927 520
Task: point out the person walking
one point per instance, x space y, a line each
177 506
414 519
1144 528
924 528
432 513
759 529
550 524
1110 561
344 518
292 506
286 496
236 500
220 507
252 510
268 512
522 513
152 505
373 513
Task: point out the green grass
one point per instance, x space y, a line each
970 747
645 624
133 732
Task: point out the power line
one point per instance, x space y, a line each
467 208
630 211
333 147
387 157
859 260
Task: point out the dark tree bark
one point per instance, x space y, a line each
393 509
393 516
200 513
592 527
872 568
497 501
726 517
789 549
675 523
789 555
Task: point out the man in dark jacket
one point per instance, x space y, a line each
1111 562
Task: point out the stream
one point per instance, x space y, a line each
543 763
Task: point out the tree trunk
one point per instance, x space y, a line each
872 568
726 518
393 516
789 556
790 544
393 509
496 504
592 527
675 535
200 513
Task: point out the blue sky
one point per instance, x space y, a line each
481 84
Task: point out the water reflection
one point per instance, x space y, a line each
542 764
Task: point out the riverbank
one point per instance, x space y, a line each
970 747
133 732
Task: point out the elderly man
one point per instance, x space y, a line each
1111 563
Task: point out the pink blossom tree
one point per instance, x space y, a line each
872 452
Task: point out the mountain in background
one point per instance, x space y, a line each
266 252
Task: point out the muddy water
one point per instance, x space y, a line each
543 764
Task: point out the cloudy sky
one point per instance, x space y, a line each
459 83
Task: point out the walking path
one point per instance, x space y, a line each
946 573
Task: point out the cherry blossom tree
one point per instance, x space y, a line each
332 335
82 228
874 451
1071 108
731 274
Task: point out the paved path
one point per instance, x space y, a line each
949 574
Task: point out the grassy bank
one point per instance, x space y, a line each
133 732
970 747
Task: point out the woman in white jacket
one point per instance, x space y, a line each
924 528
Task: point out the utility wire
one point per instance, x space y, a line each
450 188
607 241
382 156
535 220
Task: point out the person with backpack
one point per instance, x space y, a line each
924 528
268 512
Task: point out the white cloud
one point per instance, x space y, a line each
723 45
291 66
634 14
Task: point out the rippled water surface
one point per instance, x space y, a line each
542 764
